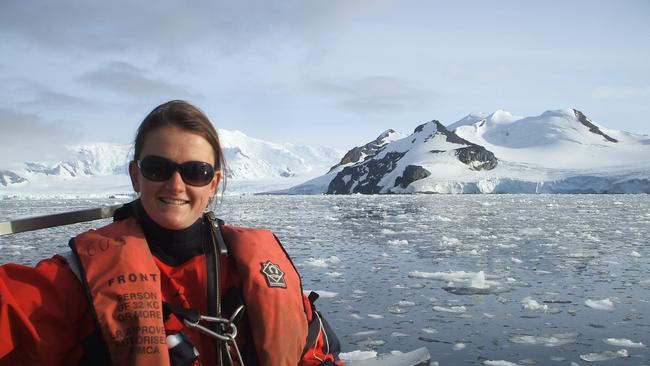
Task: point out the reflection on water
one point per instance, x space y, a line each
471 277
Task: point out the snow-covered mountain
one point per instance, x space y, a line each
560 151
103 168
354 156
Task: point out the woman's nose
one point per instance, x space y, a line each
175 182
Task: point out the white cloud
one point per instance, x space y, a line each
125 79
374 94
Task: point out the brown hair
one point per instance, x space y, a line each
183 115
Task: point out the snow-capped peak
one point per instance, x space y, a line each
557 151
502 116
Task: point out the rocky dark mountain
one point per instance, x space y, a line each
592 128
393 167
368 150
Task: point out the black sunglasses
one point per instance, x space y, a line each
159 169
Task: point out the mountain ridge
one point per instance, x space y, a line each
559 151
106 165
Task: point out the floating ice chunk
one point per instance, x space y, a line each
405 304
516 260
375 316
635 254
622 342
396 309
398 334
604 304
474 291
371 343
387 231
528 303
334 274
430 330
365 333
357 355
472 279
499 363
604 356
452 309
398 242
478 280
323 262
551 340
470 283
356 316
459 346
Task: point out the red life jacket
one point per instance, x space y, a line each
122 281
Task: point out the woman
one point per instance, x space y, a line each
166 283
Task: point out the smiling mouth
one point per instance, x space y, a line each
173 201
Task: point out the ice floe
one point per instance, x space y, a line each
622 342
357 355
459 346
499 363
470 279
551 340
405 304
604 304
463 283
530 304
323 262
451 309
604 356
365 333
334 274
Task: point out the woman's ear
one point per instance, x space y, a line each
133 172
215 182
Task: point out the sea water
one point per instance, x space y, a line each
477 279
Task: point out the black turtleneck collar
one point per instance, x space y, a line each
173 247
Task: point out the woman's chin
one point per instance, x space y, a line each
173 222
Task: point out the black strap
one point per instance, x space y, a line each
181 313
314 327
216 223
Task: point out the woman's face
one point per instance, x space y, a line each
173 204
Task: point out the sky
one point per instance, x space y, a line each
334 73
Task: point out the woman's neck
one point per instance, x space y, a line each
173 247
